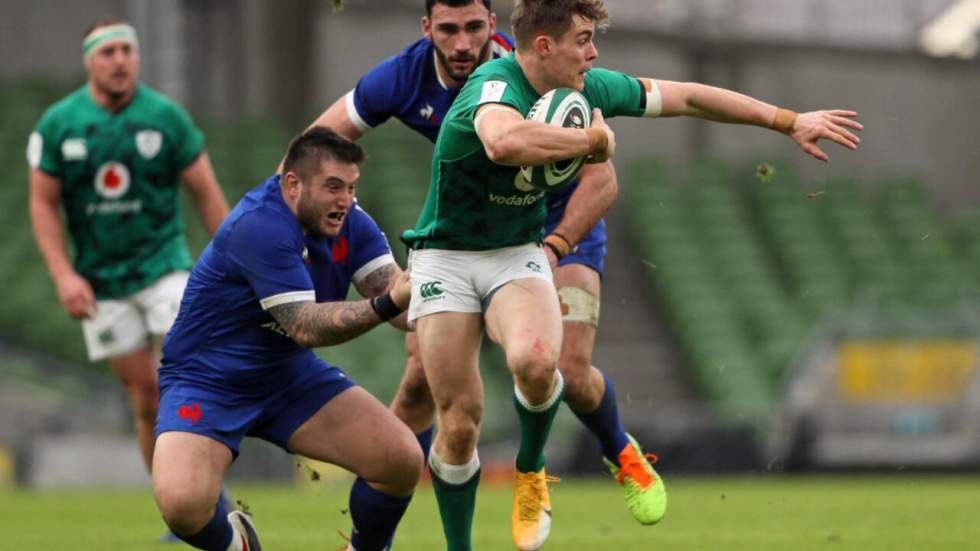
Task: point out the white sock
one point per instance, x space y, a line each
456 475
559 385
236 540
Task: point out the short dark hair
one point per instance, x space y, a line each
104 22
317 145
453 4
532 18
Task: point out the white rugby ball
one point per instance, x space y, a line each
563 107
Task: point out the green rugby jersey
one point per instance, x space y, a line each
476 204
119 174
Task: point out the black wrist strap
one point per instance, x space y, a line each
554 249
384 307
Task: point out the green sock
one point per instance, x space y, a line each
535 425
456 505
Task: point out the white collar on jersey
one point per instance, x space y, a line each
435 62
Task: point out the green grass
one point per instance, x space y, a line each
877 513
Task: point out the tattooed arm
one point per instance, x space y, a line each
313 324
377 283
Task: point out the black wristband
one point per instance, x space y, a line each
554 249
384 307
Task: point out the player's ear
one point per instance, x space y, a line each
542 44
290 183
493 22
426 27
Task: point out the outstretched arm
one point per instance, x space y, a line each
203 186
718 104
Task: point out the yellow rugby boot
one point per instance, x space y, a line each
531 517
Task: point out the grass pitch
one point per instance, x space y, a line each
914 512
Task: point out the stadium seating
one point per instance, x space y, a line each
746 268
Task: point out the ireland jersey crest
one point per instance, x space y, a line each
148 143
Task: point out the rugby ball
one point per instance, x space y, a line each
561 107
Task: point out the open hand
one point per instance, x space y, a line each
833 125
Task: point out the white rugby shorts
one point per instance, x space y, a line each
121 326
464 281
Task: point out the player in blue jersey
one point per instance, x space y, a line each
271 285
417 87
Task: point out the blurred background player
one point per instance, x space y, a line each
112 154
477 153
270 286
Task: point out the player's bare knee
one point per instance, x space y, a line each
407 468
577 385
460 431
184 509
534 364
415 393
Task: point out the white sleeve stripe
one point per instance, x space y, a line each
286 298
489 107
354 116
372 265
655 101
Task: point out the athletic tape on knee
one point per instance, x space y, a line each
578 305
456 475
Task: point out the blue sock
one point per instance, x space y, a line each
375 516
216 534
425 440
225 498
604 424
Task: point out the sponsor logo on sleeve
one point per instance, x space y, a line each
493 90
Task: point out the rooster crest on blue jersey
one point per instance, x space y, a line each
563 107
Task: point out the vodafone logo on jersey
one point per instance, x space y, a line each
112 180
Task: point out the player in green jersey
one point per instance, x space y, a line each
476 264
111 154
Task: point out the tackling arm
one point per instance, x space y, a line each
377 283
203 186
74 291
718 104
313 324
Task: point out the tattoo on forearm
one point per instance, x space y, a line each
323 324
377 281
286 314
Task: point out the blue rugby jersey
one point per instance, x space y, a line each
408 87
260 258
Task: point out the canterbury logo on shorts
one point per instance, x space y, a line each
430 290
